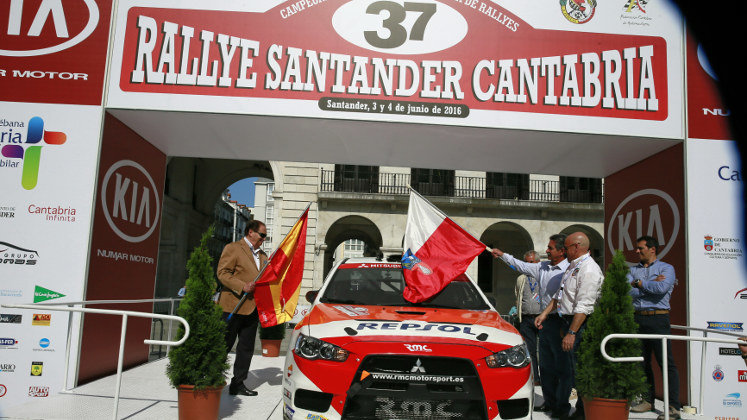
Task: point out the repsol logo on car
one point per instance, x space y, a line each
411 326
645 212
129 199
46 27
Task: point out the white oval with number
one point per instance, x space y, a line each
400 27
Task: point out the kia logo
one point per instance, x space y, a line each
130 201
58 24
646 212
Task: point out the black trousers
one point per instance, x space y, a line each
245 328
658 324
531 334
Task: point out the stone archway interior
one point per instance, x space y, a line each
495 277
351 227
596 242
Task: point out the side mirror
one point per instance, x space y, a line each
311 295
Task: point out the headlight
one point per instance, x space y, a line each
517 356
312 348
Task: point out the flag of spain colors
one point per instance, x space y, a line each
278 287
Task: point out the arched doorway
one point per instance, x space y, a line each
596 242
350 227
494 277
193 186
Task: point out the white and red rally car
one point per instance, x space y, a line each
363 352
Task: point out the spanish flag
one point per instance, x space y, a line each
279 284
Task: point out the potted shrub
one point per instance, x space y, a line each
604 384
271 337
197 368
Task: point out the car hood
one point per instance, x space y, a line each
344 324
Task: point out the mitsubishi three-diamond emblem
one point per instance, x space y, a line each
417 367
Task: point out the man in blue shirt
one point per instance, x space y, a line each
652 283
555 365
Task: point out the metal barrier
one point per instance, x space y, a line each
664 370
124 314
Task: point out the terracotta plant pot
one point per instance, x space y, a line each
607 409
199 405
270 348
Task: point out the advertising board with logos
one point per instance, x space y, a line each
54 51
124 246
648 198
716 247
469 63
48 156
717 267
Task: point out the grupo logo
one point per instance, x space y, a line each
130 201
13 147
417 27
12 254
46 27
646 212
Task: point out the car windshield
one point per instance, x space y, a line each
382 284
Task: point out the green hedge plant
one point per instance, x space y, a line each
613 313
202 359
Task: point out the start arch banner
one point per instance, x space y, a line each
583 66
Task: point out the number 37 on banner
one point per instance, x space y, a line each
400 27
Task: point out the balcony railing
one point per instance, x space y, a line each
462 186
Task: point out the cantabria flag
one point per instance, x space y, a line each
279 284
437 250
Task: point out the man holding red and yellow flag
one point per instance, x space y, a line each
279 283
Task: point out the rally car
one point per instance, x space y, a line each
363 352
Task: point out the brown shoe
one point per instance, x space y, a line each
643 407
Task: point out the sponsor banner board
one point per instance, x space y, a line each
124 246
470 63
48 156
54 51
648 198
716 262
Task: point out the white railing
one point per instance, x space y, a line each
124 314
664 367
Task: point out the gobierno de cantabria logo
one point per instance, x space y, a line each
16 151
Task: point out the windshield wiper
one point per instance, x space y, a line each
345 301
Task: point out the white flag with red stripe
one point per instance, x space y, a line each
437 250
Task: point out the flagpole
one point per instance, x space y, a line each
412 190
244 295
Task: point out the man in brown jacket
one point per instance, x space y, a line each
238 268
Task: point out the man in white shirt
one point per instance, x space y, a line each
575 300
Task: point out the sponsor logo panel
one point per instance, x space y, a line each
53 212
8 343
41 294
649 211
722 247
7 212
11 293
44 345
3 390
578 11
37 368
41 319
21 150
7 368
38 391
725 326
17 255
634 13
742 375
11 318
129 199
718 374
732 400
729 351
